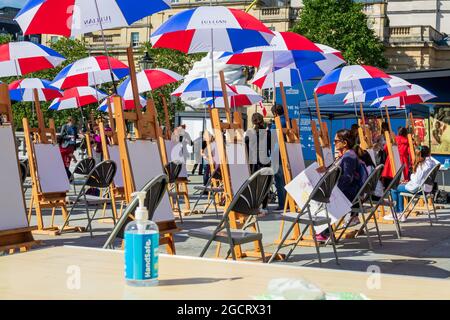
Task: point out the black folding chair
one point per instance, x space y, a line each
422 194
247 202
173 170
100 177
320 194
210 190
83 168
364 194
155 190
385 200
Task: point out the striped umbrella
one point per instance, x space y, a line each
149 80
90 71
127 104
244 96
23 90
205 29
285 48
70 18
415 95
394 85
201 88
20 58
352 79
76 98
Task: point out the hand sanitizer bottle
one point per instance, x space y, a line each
141 248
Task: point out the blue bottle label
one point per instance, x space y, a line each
141 256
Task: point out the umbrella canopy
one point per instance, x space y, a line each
20 58
244 96
415 95
352 78
77 98
201 88
266 77
74 17
212 28
127 104
285 48
90 71
23 90
393 86
149 80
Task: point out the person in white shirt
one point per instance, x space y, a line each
424 164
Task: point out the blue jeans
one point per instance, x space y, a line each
398 198
279 184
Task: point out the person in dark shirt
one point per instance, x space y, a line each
278 110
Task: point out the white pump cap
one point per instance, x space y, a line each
141 213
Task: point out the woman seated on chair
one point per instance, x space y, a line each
422 166
350 180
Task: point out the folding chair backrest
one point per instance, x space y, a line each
155 190
252 193
322 191
370 185
431 177
173 169
395 181
85 166
102 175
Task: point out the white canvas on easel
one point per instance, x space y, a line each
397 161
301 187
327 156
295 157
174 151
12 208
372 155
145 163
238 165
114 155
50 167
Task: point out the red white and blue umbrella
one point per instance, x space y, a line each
127 104
90 71
213 28
244 96
20 58
201 88
351 79
395 85
74 17
23 90
415 95
77 98
285 48
149 80
290 76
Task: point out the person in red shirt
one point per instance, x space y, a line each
403 149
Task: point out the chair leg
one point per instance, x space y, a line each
86 206
434 209
367 232
428 207
333 244
263 255
281 244
316 244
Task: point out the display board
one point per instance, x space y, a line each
12 208
146 165
295 155
50 167
174 152
238 164
114 155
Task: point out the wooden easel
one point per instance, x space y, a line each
235 132
364 132
16 238
181 184
146 128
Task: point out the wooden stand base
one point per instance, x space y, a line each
17 239
56 231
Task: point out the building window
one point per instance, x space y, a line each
54 39
34 39
135 39
268 95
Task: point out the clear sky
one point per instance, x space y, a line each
12 3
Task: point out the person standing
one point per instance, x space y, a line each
199 145
278 111
68 136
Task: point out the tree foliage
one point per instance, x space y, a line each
176 61
343 25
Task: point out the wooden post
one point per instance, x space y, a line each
225 96
284 101
167 117
134 87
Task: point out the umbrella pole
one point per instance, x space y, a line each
40 117
104 46
354 102
304 94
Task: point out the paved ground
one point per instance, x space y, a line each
423 251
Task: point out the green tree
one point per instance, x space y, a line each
176 61
343 25
5 38
72 50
